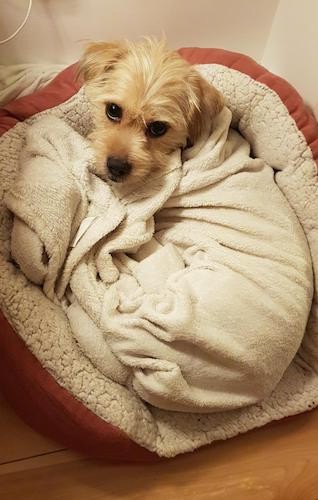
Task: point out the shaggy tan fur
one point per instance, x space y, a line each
150 83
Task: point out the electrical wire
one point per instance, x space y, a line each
20 27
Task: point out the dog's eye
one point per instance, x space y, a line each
114 112
156 129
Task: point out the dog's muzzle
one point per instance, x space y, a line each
118 168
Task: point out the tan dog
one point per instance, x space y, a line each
148 102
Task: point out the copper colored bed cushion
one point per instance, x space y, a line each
37 397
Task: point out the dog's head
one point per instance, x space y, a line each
147 102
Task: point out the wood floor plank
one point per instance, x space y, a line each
276 462
45 460
18 440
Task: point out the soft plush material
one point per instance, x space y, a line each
196 317
265 125
61 88
22 79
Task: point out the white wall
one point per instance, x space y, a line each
281 34
56 27
292 47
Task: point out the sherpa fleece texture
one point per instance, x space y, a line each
199 280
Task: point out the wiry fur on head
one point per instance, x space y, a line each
150 83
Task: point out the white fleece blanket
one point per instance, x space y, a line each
261 117
192 290
17 80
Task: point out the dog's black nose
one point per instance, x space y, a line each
117 168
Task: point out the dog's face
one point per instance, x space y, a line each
147 102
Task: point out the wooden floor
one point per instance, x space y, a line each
276 462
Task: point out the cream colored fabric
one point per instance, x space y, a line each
167 432
18 80
210 316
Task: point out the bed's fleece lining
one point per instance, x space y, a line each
265 123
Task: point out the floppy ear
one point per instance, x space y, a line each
205 103
98 58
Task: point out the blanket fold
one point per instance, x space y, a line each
193 290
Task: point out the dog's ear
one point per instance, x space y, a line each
98 58
205 103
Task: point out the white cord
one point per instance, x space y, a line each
20 27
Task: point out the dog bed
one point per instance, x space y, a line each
58 388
